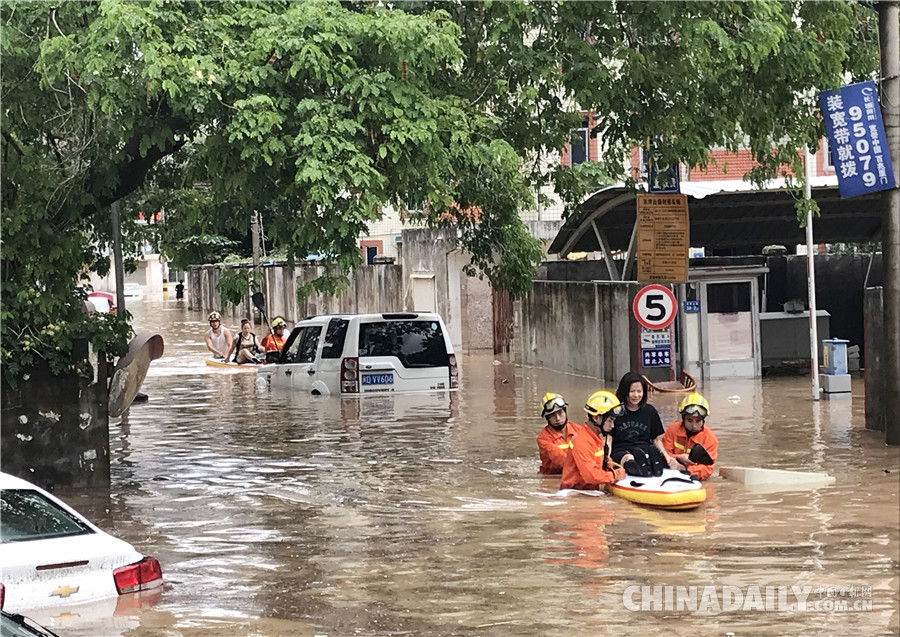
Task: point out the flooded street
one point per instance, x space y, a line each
280 514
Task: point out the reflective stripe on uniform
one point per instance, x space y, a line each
565 445
598 453
679 446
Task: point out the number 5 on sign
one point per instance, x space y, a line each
654 307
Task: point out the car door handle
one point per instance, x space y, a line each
288 372
310 371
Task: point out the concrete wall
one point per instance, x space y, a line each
477 313
840 281
546 231
576 327
376 288
425 252
55 429
465 303
592 270
874 339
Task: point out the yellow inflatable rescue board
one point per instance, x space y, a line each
218 362
672 490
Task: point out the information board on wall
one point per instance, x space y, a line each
663 238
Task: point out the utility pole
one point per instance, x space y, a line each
811 279
117 257
889 36
254 233
254 238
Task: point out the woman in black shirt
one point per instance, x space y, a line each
637 435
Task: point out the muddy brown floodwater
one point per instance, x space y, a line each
278 514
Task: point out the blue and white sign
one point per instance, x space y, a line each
656 357
856 136
656 339
691 307
656 348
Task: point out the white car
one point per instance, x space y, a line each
19 626
357 354
52 556
103 302
133 290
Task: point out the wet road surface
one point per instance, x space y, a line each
280 514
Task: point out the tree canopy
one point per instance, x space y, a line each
318 114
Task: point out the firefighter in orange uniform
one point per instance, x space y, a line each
273 343
690 441
588 466
554 441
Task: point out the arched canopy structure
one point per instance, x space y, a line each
723 214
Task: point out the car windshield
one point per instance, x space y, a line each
18 626
414 343
28 515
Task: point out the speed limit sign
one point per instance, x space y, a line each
654 307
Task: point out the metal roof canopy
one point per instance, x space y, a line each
724 214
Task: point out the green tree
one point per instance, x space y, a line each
313 112
691 76
319 113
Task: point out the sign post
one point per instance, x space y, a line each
654 309
663 238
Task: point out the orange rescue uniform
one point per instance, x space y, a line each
583 468
553 446
272 343
677 442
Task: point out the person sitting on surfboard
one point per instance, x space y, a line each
637 441
274 340
245 346
218 338
554 441
693 445
588 465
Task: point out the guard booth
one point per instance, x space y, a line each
717 329
718 322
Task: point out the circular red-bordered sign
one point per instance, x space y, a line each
654 307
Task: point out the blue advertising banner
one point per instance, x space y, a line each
856 137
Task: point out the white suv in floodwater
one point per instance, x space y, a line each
355 354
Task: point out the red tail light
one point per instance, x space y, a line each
454 372
350 376
2 595
139 576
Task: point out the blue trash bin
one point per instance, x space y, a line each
835 356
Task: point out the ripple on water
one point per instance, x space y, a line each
424 515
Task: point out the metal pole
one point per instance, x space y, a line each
889 36
811 278
254 238
117 257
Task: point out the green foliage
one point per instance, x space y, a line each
52 336
805 209
700 75
235 284
317 114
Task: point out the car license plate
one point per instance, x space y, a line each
378 379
